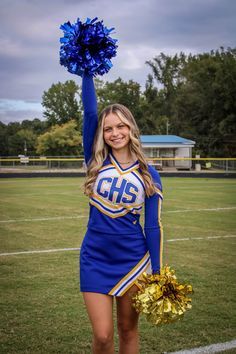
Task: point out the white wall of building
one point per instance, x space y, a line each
183 152
170 150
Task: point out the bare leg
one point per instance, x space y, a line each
99 308
127 322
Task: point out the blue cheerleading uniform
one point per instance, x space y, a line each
116 250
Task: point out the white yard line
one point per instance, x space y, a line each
84 216
44 219
205 209
214 348
78 248
200 238
40 251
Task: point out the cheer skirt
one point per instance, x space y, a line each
112 263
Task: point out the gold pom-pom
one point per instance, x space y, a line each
161 297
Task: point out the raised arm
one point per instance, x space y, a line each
152 225
90 115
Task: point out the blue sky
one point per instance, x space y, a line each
29 37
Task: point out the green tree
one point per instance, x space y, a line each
13 127
60 140
119 91
3 140
16 136
36 125
206 102
23 138
197 94
167 71
60 103
152 104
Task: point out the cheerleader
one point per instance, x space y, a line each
116 250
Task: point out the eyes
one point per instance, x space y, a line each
119 126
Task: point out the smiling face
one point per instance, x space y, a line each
116 133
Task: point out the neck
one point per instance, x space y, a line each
122 156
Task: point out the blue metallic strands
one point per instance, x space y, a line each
87 47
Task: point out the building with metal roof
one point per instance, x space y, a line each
168 146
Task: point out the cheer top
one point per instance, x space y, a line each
119 193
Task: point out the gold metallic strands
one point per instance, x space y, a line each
161 297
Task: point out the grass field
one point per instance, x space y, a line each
41 307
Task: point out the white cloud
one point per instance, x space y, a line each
29 37
19 105
18 110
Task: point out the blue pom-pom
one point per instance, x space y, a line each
87 47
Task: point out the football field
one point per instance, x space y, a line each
42 224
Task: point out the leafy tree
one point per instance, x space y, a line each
16 136
60 140
152 109
194 95
167 70
207 101
60 103
13 127
3 140
197 94
119 91
36 125
23 138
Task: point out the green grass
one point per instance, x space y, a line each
41 307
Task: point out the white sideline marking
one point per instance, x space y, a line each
78 248
214 348
206 209
199 238
84 216
40 251
44 219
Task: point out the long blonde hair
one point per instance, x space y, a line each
101 149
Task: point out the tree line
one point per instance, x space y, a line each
193 96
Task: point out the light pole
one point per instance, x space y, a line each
167 127
25 148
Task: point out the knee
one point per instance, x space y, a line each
127 332
103 339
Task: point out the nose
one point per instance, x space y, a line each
115 132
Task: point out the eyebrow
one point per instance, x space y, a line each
109 126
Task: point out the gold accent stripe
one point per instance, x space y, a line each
130 170
99 207
159 193
121 172
139 175
161 248
161 232
114 206
106 202
134 282
129 274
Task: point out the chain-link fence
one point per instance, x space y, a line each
61 163
41 163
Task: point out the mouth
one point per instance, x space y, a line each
117 140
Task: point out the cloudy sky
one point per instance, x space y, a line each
29 38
